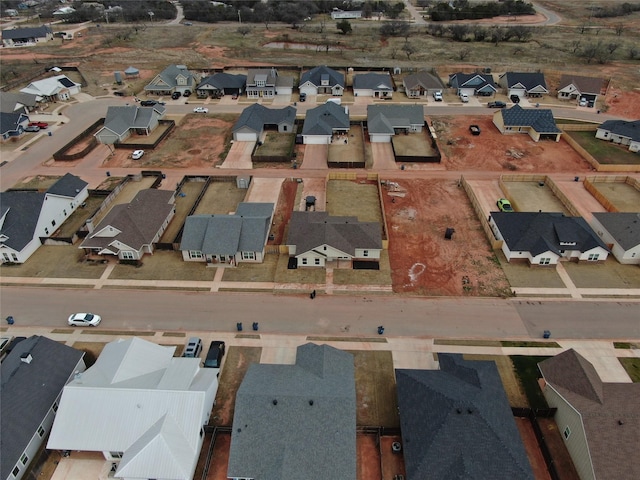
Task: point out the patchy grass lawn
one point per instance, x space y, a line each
299 275
164 265
632 366
526 369
54 261
277 144
347 198
253 272
522 275
609 274
606 153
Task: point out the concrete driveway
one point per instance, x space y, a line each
383 158
315 157
264 190
239 156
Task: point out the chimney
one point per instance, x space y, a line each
26 358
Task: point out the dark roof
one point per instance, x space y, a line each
28 390
309 230
256 116
21 218
373 81
224 80
322 72
423 79
623 128
624 227
120 119
67 186
529 80
386 118
169 76
478 81
9 122
539 232
583 84
456 423
269 75
28 32
296 421
326 118
66 82
609 413
540 119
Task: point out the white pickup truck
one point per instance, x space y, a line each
464 97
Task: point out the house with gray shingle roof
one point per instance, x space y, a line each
621 231
12 125
621 132
323 122
377 85
174 78
316 238
255 119
473 84
267 83
576 87
385 121
32 378
538 123
296 421
221 84
598 420
543 238
17 102
322 80
227 240
14 37
27 216
422 84
456 422
122 122
524 84
130 230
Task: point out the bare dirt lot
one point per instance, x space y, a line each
493 151
422 260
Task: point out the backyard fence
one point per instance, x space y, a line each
484 222
589 185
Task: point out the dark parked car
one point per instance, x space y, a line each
214 355
515 98
148 103
474 129
496 104
303 97
119 94
175 95
187 93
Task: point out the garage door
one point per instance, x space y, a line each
246 137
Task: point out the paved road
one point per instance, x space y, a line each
552 18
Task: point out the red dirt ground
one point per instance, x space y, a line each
622 103
219 458
392 463
283 210
538 465
422 261
368 458
490 150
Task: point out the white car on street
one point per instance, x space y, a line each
200 110
84 320
137 154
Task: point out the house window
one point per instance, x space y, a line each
365 253
14 257
6 257
324 248
593 257
195 254
46 231
40 431
127 255
53 223
304 261
15 471
261 83
316 261
545 261
24 459
223 258
567 433
64 211
248 255
55 406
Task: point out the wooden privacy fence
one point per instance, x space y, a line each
573 211
495 243
589 185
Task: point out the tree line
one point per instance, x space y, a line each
463 10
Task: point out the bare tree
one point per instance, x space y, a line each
497 35
408 49
575 46
479 33
619 28
463 53
612 47
244 30
459 32
590 51
436 30
521 32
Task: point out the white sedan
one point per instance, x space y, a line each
137 154
200 110
84 320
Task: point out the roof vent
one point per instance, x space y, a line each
275 402
620 422
310 402
26 358
469 411
458 410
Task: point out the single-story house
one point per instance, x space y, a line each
385 121
377 85
267 83
52 89
322 80
323 122
524 84
622 132
121 122
141 407
538 123
473 84
129 230
221 84
285 414
12 125
26 217
543 238
174 78
16 37
63 11
422 84
456 422
598 420
621 232
17 102
33 376
345 14
227 240
257 118
575 87
316 238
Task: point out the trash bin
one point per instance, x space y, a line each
255 325
10 320
239 326
49 133
380 330
546 334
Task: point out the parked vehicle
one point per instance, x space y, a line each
215 354
148 103
504 205
437 96
234 96
200 110
515 98
118 93
41 125
84 320
303 97
175 95
32 128
137 154
583 102
464 97
496 104
474 129
186 93
193 348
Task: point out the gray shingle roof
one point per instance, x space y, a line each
28 391
539 232
256 116
540 119
317 74
373 81
9 100
224 80
169 76
583 84
10 122
623 226
326 118
529 80
25 33
297 421
423 79
121 119
456 423
478 81
67 186
385 118
623 128
269 75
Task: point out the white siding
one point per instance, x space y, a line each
316 139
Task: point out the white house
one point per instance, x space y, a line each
621 232
621 132
58 88
18 37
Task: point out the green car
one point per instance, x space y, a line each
505 205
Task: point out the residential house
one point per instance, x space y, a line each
26 217
63 11
543 238
129 230
316 238
256 118
524 84
323 122
377 85
33 376
422 84
621 132
18 37
598 420
538 123
12 125
385 121
346 14
575 87
322 80
58 88
143 408
621 232
174 78
267 83
285 414
473 84
121 122
17 102
227 240
221 84
456 422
